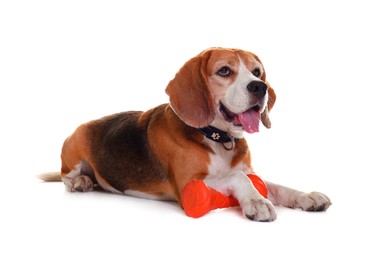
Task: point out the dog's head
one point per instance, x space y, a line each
225 88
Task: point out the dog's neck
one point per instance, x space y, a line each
217 135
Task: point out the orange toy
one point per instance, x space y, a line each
198 198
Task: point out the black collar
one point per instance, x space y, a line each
217 135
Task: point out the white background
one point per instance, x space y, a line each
63 63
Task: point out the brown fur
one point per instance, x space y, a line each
146 152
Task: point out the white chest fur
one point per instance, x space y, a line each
221 160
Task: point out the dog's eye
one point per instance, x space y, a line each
224 71
257 72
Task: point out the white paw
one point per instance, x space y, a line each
259 209
313 201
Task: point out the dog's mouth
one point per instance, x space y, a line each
248 120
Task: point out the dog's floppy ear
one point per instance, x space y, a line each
190 96
270 103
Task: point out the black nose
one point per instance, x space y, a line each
258 88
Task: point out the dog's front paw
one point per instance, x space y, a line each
313 201
259 209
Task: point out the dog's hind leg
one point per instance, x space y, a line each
79 179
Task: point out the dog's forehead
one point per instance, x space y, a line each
232 57
224 57
249 59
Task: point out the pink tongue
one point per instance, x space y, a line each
249 120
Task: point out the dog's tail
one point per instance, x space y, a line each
50 176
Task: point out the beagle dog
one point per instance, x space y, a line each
214 98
